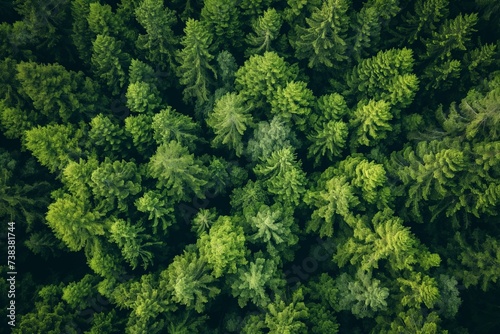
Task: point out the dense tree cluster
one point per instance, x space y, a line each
253 166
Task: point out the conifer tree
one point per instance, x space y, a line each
427 13
223 248
195 71
178 172
229 121
265 30
326 33
254 280
260 76
223 20
189 282
283 176
159 41
169 125
109 62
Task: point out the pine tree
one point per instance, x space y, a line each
178 172
222 19
54 145
265 30
57 91
189 282
169 125
159 42
371 123
253 281
269 137
427 14
159 209
113 182
260 76
74 221
109 62
283 176
194 70
286 318
223 248
294 101
362 294
323 41
453 35
229 120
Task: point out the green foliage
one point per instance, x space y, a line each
452 35
423 21
106 133
283 175
259 78
57 91
222 18
139 128
253 280
286 318
159 42
229 120
54 145
323 41
177 171
376 77
294 101
109 62
223 247
325 156
269 137
371 122
74 222
362 294
142 97
195 69
328 140
113 181
170 125
274 227
265 30
159 209
479 260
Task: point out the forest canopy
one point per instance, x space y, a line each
253 166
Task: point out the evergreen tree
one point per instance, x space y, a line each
283 176
223 248
194 58
265 30
229 120
178 172
259 78
222 19
159 41
109 62
323 41
189 282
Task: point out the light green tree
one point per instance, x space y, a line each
265 30
283 175
177 171
223 247
253 281
229 120
188 280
